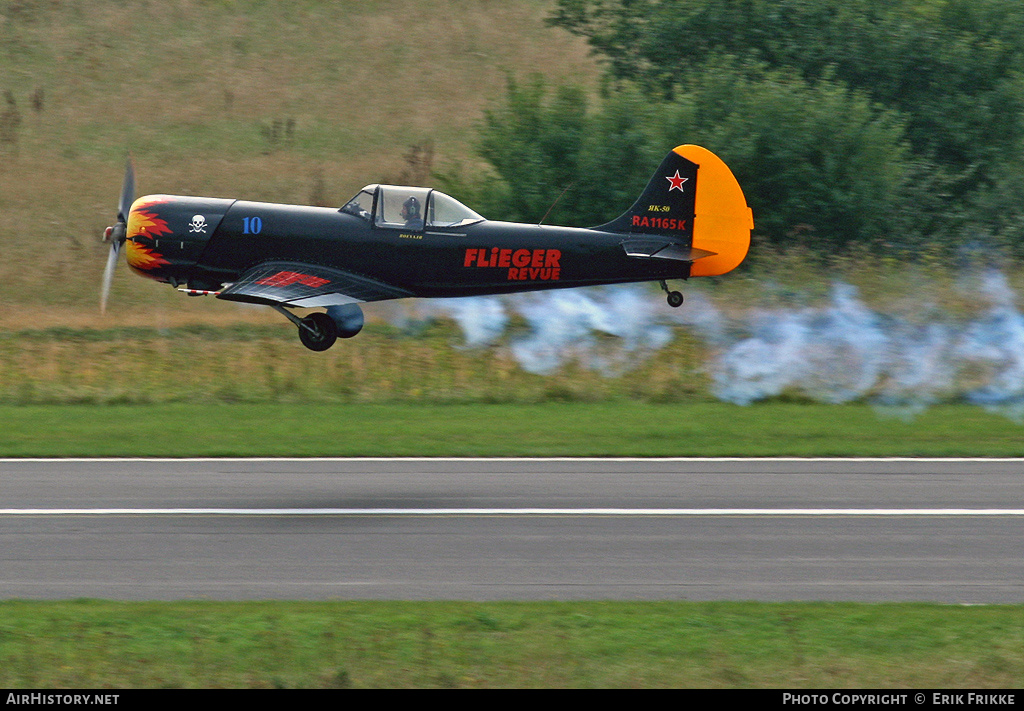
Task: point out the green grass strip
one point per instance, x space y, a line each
98 644
502 430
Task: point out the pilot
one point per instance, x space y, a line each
411 214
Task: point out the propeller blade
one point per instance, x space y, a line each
116 233
108 274
127 191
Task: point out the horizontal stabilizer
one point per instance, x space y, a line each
664 250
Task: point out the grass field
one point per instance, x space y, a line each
97 645
606 429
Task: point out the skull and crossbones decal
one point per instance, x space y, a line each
198 224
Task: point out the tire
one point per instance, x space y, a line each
318 332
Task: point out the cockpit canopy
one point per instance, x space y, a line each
409 208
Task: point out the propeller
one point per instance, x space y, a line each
116 233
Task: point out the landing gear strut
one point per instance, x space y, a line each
675 298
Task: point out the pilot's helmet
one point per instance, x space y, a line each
411 208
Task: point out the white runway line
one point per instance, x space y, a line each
507 512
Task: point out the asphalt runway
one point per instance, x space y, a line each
478 529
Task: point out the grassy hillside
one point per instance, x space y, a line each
290 102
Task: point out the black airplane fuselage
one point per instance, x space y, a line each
487 257
393 242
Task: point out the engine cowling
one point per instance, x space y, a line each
166 234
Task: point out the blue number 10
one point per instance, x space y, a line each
251 225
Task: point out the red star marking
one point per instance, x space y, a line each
676 182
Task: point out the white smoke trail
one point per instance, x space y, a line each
994 344
833 355
482 318
839 352
565 326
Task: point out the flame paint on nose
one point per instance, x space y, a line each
144 220
145 224
143 259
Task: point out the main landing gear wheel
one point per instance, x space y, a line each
318 332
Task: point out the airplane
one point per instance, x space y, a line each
393 242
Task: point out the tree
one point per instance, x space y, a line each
551 155
951 68
816 161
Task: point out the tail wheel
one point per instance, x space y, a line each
675 299
318 332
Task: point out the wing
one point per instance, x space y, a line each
307 286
